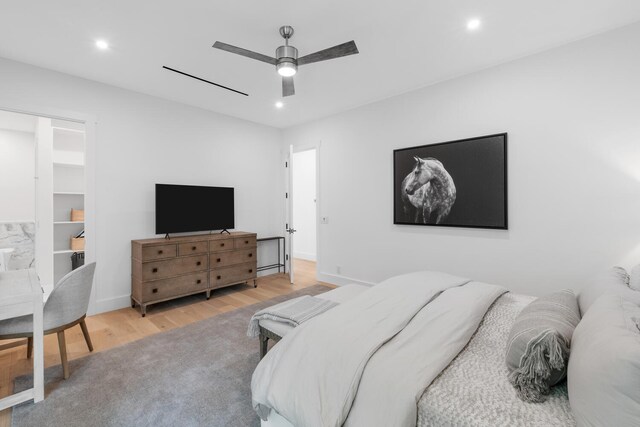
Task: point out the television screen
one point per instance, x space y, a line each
183 208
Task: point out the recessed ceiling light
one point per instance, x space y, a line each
279 104
102 45
473 24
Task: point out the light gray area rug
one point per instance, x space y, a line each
197 375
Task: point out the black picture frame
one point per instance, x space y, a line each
471 192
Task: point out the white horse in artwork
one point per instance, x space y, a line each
429 189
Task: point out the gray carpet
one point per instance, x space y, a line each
196 375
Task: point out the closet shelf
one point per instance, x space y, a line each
67 222
67 193
68 165
66 251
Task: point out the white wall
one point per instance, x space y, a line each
304 204
142 140
573 118
17 172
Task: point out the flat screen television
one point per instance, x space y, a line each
184 208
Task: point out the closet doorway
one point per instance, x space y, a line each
43 188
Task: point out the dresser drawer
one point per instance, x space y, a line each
223 259
231 275
174 267
245 242
150 253
176 286
193 248
221 245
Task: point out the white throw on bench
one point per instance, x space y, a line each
275 330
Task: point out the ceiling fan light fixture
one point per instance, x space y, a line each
287 69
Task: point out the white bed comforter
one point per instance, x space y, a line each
368 361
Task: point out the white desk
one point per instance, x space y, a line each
21 294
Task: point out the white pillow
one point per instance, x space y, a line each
634 278
604 367
613 281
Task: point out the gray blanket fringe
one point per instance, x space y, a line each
544 355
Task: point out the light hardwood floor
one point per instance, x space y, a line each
119 327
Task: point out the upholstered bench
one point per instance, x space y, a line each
272 330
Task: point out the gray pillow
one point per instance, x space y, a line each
634 278
538 345
604 368
614 281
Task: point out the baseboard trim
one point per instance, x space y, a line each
339 280
305 255
110 304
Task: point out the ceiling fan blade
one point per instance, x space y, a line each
245 52
344 49
203 80
287 86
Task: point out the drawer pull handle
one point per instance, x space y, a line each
251 270
218 260
246 242
155 290
198 263
250 255
199 281
160 252
221 244
219 277
193 248
155 270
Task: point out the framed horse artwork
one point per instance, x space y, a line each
459 183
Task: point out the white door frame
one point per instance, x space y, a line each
289 213
297 148
90 122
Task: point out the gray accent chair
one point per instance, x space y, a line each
66 307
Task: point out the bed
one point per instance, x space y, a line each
472 389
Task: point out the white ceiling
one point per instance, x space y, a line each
404 45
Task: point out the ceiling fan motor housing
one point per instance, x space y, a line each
287 56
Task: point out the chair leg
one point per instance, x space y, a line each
85 332
29 347
63 354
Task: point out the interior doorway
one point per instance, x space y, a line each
304 210
42 185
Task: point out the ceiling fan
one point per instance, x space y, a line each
286 60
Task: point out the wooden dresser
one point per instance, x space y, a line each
164 269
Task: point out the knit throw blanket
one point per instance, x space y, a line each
292 312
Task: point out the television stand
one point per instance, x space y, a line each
225 231
166 236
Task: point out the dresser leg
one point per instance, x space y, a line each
133 303
208 294
143 309
255 283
